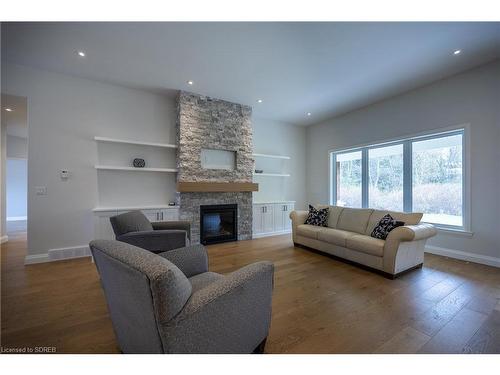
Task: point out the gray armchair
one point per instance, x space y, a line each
171 303
135 228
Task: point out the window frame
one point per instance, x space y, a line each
407 142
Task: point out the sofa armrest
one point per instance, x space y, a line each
410 237
231 315
176 224
298 217
191 260
155 240
412 232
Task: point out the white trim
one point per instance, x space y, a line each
272 174
134 169
462 255
269 234
132 208
272 156
36 258
17 218
4 239
59 254
131 142
453 231
270 202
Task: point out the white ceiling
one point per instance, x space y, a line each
15 122
323 68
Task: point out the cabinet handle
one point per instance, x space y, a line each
157 216
162 216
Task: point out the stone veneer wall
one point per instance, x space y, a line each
204 122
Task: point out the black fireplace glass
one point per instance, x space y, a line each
218 223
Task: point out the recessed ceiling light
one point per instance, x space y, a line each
457 52
309 113
259 100
9 109
81 54
190 83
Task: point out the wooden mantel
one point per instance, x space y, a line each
216 187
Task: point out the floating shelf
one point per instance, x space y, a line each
117 168
132 142
272 156
272 174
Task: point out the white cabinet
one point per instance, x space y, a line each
271 218
102 225
282 222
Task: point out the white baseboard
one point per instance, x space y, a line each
4 239
59 254
269 234
462 255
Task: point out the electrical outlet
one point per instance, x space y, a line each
41 190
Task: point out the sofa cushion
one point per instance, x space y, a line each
366 244
411 218
133 221
333 214
384 227
354 219
335 236
310 231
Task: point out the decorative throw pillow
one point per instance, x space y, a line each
318 217
384 226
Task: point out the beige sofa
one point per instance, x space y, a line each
348 236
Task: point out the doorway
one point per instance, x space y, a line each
14 157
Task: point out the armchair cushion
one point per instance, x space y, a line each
155 240
203 280
191 260
133 221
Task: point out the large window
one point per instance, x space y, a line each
423 174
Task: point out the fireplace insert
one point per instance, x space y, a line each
218 223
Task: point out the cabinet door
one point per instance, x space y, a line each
152 215
279 223
268 218
258 211
169 214
102 226
289 207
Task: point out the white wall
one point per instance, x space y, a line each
271 137
17 147
17 186
65 113
3 170
471 97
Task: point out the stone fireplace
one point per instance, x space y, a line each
204 123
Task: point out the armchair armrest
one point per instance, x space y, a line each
191 260
155 240
176 224
231 315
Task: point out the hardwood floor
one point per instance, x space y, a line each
320 305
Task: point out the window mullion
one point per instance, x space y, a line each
364 178
407 177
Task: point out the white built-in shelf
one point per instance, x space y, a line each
134 169
132 142
272 174
272 156
132 208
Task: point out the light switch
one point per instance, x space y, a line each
41 190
